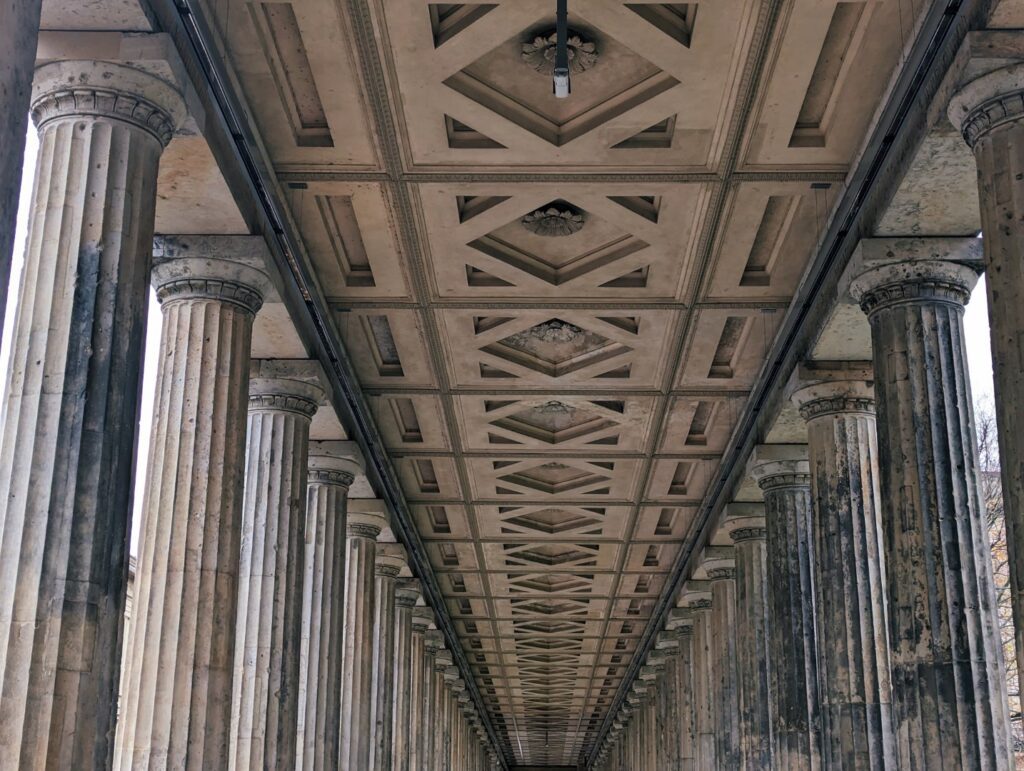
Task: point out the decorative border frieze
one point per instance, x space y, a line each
246 298
742 534
914 291
323 476
991 114
105 104
282 403
785 479
836 405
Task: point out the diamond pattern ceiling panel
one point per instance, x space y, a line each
557 308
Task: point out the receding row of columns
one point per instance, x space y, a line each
852 623
272 624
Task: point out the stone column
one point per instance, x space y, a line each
430 733
697 597
19 31
389 563
268 632
177 711
366 519
419 692
681 622
783 474
948 680
407 652
849 573
68 443
449 675
333 467
666 651
989 111
719 564
745 524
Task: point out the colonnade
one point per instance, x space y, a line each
867 632
865 625
272 627
851 623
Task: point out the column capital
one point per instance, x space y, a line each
718 562
822 393
744 521
433 640
422 619
988 102
390 560
679 621
668 638
779 465
696 595
407 592
79 88
282 394
893 271
229 269
334 463
367 517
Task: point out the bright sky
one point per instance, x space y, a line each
979 355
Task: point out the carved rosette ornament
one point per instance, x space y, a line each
554 221
539 53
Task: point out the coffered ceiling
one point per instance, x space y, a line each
557 307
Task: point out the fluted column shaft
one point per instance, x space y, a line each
949 685
389 562
265 700
419 692
849 574
19 31
406 653
989 111
748 532
177 710
429 731
792 647
72 403
723 662
330 476
685 691
365 522
703 685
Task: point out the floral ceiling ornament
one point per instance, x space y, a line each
539 53
554 221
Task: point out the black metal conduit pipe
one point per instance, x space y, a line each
941 22
285 247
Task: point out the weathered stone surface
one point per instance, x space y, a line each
849 572
406 654
746 526
366 518
681 620
72 397
697 598
948 680
19 29
420 693
389 563
332 468
783 474
268 646
991 112
177 710
433 736
720 566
